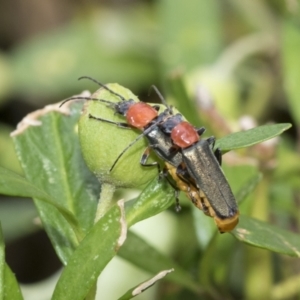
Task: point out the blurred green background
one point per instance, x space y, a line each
225 64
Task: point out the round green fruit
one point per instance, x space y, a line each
103 142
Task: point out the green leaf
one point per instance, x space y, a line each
260 234
13 184
248 187
105 238
48 149
8 157
137 290
141 254
9 288
21 224
251 137
91 256
155 198
204 226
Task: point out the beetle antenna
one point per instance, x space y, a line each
124 150
103 86
160 96
162 99
84 98
131 144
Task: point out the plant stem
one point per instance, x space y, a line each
105 200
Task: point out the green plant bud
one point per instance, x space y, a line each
102 142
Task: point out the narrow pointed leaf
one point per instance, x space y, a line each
9 288
248 187
155 198
251 137
140 253
205 227
263 235
105 238
13 184
94 252
137 290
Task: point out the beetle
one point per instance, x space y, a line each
217 199
201 168
191 161
147 118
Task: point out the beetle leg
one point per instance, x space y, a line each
177 205
218 155
145 157
183 174
119 124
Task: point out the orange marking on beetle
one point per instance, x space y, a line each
140 115
184 134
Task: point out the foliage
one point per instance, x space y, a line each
66 195
240 66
